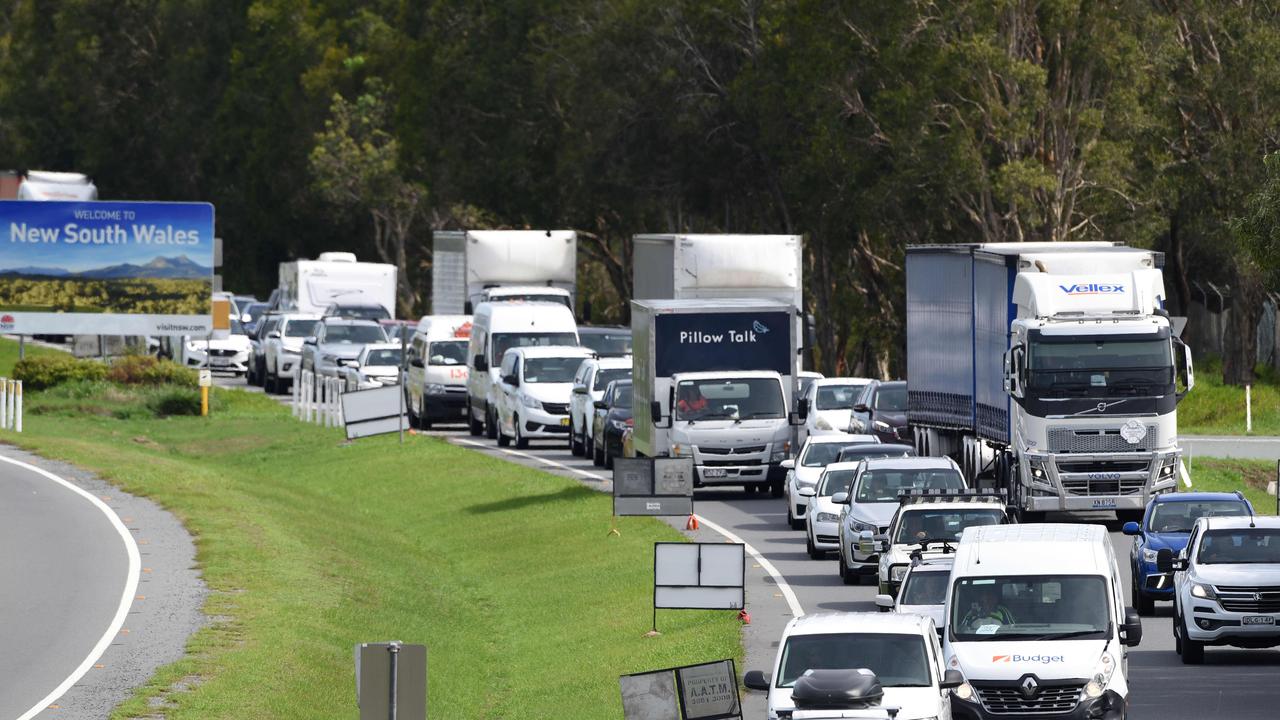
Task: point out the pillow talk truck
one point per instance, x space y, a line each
1051 367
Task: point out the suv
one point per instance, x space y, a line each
902 650
882 411
281 350
257 347
804 470
1226 585
593 375
831 402
929 525
533 393
1167 524
869 505
337 341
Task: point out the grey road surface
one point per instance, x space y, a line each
1250 448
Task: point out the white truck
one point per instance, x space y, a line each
309 286
543 264
1052 368
714 380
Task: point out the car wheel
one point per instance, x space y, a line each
1192 651
1142 603
522 442
424 420
608 457
809 547
575 443
847 577
490 423
597 454
503 440
270 384
796 523
474 427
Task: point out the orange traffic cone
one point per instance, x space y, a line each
744 616
692 524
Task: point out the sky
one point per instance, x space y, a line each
77 257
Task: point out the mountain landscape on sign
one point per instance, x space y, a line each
168 268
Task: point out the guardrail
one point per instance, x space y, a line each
10 404
317 399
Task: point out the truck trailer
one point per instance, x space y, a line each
468 266
714 380
1051 368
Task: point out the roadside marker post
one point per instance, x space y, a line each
17 423
391 681
4 402
1248 409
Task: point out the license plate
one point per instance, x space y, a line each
1258 620
714 473
564 422
1104 503
219 362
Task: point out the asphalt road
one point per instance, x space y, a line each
1239 684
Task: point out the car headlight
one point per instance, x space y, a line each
1101 677
618 425
828 517
1148 555
435 389
897 572
858 526
881 426
1203 591
531 403
964 691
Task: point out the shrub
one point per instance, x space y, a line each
176 401
45 371
147 370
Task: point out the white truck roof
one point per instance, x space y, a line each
501 317
1034 549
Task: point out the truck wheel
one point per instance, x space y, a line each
474 426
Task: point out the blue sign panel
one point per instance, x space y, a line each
703 342
106 268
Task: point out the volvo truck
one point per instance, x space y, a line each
714 380
1053 369
534 265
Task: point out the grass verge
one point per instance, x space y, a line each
310 545
1229 475
9 354
1216 409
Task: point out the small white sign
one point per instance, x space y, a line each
206 378
1133 431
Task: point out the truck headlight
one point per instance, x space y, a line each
778 456
828 517
1148 555
964 691
882 426
435 389
897 572
1168 469
1101 677
1037 470
678 450
1203 591
531 403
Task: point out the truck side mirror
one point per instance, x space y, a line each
1015 375
802 408
481 362
512 380
416 362
1131 631
1186 371
655 412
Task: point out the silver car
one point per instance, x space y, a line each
336 342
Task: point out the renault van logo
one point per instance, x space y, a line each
1029 686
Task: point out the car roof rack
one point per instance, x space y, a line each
920 496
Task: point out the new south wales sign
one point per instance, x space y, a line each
106 268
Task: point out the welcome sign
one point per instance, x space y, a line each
106 268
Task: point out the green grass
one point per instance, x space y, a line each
9 354
1212 408
310 545
1228 475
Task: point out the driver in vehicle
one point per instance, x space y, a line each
987 610
691 400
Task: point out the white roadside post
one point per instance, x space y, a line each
307 398
4 403
1248 408
18 424
293 395
13 392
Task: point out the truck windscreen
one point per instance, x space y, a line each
729 399
1100 367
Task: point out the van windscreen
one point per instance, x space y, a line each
1030 607
502 342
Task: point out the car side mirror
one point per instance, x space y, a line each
1131 528
480 362
756 680
840 498
861 407
417 362
579 389
273 335
600 405
1131 632
512 380
884 602
788 464
951 679
1166 562
807 492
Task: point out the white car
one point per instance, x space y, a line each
378 364
868 506
804 470
831 402
923 591
929 525
282 350
593 376
822 524
902 650
230 354
533 395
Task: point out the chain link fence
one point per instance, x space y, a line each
1208 320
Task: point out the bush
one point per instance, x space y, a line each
45 371
177 401
147 370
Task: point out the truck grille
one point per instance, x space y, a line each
1009 699
1086 486
745 450
1076 440
1249 599
556 408
732 463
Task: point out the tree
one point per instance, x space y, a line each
355 164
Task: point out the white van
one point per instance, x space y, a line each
436 381
536 383
496 328
1036 622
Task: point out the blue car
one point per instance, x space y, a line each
1167 524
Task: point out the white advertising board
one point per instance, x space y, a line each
699 575
373 412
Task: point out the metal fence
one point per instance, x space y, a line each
1209 316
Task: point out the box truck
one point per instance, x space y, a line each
309 286
1052 368
542 264
714 380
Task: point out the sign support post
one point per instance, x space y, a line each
404 373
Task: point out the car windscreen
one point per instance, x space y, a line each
943 524
300 328
383 357
447 352
924 588
608 344
606 376
729 399
353 334
883 485
823 454
837 397
1178 516
835 481
1243 546
1030 607
898 660
502 342
550 370
891 398
622 396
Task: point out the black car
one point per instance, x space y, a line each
613 417
854 453
881 411
357 311
607 341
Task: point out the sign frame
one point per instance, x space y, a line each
680 689
360 421
655 504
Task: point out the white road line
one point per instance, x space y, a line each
787 593
126 598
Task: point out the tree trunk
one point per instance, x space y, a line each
1240 345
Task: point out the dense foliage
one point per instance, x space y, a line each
867 126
